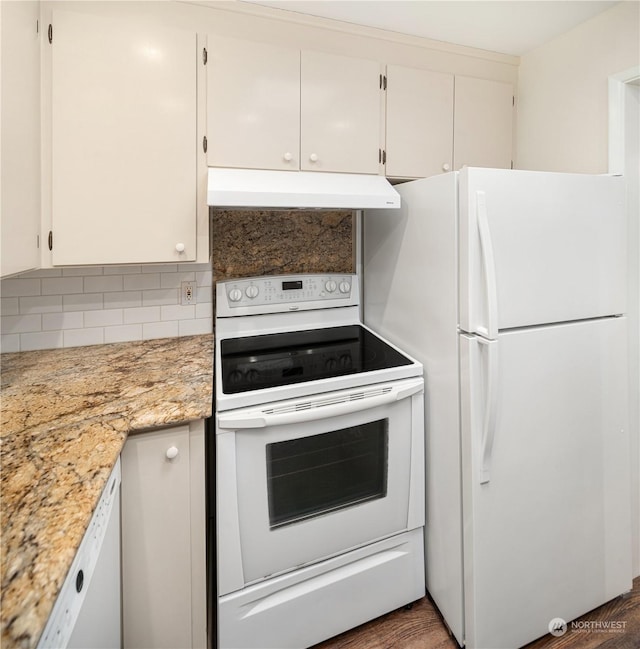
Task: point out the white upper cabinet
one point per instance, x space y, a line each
419 121
436 122
20 152
483 123
341 113
272 107
124 140
253 105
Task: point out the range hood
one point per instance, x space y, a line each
299 189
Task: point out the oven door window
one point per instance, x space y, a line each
311 476
312 490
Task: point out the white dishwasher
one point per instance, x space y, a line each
87 613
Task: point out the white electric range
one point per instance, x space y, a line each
319 464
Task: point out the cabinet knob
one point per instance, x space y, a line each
446 166
313 157
288 156
180 247
172 453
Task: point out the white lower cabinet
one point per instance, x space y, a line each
163 539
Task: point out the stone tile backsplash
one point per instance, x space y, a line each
247 243
68 307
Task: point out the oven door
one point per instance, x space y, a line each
302 480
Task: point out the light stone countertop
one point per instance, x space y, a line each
66 414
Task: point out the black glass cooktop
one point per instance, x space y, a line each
271 360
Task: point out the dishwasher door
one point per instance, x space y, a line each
87 613
99 622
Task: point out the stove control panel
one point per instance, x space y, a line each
286 292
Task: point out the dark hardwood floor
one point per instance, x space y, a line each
421 627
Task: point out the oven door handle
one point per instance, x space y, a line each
321 407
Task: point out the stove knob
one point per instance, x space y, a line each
252 291
235 377
330 286
235 294
252 376
345 287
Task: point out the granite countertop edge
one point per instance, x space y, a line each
66 414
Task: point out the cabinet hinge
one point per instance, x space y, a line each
204 55
50 240
384 157
380 86
383 82
204 143
50 33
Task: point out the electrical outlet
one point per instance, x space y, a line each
187 293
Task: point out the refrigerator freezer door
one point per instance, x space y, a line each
548 534
539 248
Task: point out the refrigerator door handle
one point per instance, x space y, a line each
490 408
488 268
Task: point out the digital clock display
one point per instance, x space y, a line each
292 286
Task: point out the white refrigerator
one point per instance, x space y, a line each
509 286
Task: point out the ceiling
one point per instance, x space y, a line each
507 26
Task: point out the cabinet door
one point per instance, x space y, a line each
419 118
483 123
253 105
158 548
340 113
20 136
124 141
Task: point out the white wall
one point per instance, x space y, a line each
563 92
